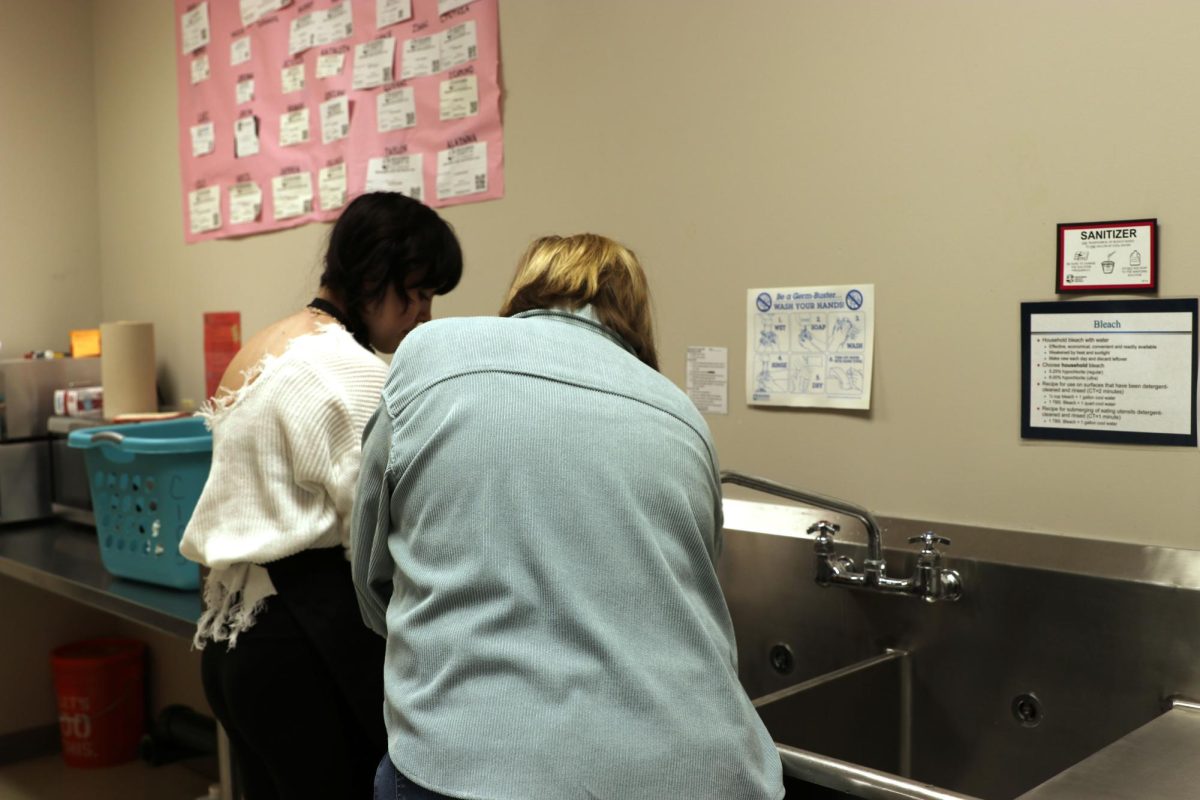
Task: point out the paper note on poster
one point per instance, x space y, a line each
195 28
331 185
810 346
245 203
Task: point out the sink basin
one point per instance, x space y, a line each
829 714
1035 669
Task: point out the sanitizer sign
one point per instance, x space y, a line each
810 346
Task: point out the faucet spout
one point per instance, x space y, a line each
874 536
931 582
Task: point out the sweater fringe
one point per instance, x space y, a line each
233 598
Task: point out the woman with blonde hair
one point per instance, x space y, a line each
536 526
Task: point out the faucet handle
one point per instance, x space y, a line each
927 540
824 541
824 528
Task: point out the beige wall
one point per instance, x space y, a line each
926 146
49 268
50 283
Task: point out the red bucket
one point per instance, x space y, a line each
101 706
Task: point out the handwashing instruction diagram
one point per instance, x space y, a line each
810 346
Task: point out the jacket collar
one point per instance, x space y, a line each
584 317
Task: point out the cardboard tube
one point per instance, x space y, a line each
127 368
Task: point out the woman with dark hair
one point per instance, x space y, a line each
288 668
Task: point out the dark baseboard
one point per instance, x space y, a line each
29 743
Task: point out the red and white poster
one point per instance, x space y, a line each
289 110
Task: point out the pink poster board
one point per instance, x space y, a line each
289 110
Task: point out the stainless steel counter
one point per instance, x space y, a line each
64 558
1157 760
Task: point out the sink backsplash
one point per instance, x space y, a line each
1098 633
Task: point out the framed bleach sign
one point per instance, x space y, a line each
810 346
1118 371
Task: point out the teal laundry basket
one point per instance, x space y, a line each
145 480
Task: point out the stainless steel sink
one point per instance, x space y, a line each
827 715
1058 648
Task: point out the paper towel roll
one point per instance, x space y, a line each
127 368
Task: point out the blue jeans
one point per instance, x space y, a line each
391 785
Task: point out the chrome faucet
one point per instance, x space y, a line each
931 582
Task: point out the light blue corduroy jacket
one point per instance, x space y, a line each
535 533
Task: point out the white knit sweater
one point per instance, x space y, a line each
286 454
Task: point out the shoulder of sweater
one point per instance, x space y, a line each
445 344
439 331
477 336
327 369
441 347
335 353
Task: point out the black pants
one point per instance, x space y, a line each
301 695
391 784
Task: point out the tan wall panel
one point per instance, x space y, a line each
50 283
49 267
926 147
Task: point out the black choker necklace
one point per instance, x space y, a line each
326 307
